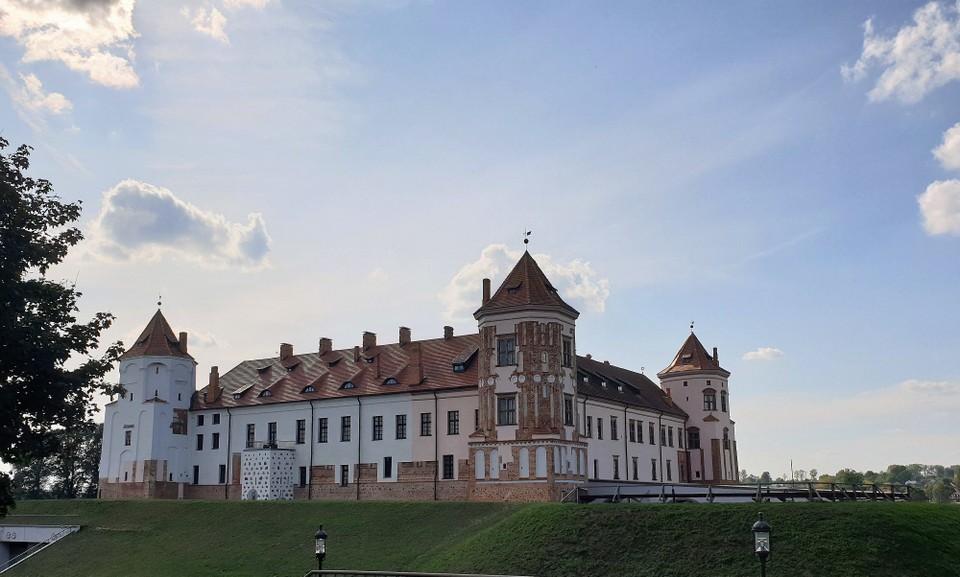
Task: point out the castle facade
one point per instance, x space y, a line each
510 412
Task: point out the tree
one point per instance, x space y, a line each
848 476
39 333
765 477
942 491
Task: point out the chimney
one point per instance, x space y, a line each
286 351
369 340
404 335
326 345
356 354
447 333
716 359
214 388
486 290
183 342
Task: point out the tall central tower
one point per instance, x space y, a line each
527 390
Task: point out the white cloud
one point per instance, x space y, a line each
378 275
576 280
763 354
208 21
140 221
931 387
940 207
93 37
35 99
238 4
948 153
917 60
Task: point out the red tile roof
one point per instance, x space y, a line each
525 286
157 340
622 386
415 366
692 357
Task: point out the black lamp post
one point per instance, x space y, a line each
321 538
761 543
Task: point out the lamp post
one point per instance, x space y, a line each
321 537
761 543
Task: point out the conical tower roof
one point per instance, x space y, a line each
157 340
692 357
526 286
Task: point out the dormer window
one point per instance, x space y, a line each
309 389
459 368
348 385
514 289
266 394
391 381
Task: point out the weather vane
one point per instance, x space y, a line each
691 326
526 233
159 300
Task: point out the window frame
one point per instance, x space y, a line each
346 429
323 430
453 422
400 426
506 410
377 433
506 351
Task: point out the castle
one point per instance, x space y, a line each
507 413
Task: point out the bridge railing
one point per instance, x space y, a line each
352 573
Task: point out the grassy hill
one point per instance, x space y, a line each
206 538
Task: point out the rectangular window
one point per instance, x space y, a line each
303 476
199 420
251 435
378 428
216 418
476 419
710 401
448 466
652 431
670 436
344 475
453 422
401 426
589 427
653 469
199 442
323 429
599 428
127 438
215 441
723 401
669 471
507 410
693 438
506 352
614 430
639 431
616 467
387 467
301 431
635 461
631 431
272 434
196 474
679 437
567 353
344 429
426 424
663 435
568 411
223 474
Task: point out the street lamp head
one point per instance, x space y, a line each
321 537
761 538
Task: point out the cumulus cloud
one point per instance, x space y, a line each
931 387
208 21
763 354
36 99
918 59
238 4
92 37
141 221
378 275
576 280
948 153
940 207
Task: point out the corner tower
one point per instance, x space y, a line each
700 386
145 448
527 423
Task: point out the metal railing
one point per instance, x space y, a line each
34 549
351 573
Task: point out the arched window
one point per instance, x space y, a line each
726 438
709 400
723 401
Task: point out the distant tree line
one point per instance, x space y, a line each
938 482
69 471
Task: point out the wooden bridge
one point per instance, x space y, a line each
598 491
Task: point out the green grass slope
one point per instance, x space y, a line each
207 538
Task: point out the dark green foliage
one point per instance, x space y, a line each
39 333
206 538
70 471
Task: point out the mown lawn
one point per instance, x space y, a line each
207 538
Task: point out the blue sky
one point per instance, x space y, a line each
784 174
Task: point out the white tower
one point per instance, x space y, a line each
145 444
700 386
